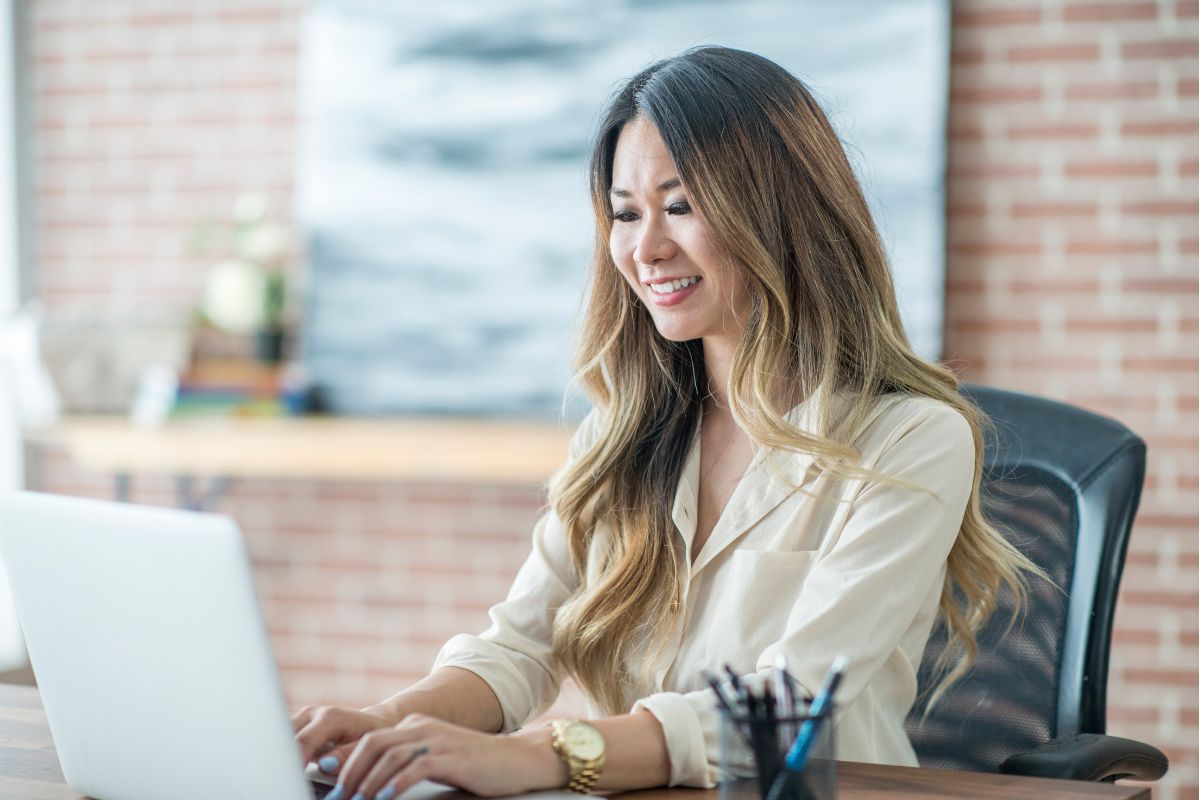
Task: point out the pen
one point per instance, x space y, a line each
762 738
784 692
784 695
739 687
719 691
797 757
733 677
730 705
770 730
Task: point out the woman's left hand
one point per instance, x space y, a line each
424 748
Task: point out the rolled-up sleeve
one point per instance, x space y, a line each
689 723
515 655
868 583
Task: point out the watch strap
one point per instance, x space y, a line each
583 773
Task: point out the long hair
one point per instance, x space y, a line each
767 172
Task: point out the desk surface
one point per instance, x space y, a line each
326 448
29 770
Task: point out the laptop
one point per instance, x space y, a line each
147 641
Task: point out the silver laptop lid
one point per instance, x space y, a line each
146 637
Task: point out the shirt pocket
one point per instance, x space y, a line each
756 592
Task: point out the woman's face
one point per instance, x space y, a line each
662 246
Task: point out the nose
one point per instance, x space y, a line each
654 243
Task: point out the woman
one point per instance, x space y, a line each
768 469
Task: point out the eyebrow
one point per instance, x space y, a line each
662 187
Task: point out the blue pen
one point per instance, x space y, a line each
797 757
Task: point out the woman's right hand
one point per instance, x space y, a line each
331 732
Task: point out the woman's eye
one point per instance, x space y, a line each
679 208
624 216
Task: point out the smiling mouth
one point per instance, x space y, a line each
666 287
664 294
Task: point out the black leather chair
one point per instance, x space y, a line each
1063 484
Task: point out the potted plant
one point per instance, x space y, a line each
247 292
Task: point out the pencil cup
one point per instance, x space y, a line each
754 751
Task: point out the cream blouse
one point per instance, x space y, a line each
782 571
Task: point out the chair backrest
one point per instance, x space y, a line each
1063 484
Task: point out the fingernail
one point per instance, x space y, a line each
386 794
336 794
329 764
358 796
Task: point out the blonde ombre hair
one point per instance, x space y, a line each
767 173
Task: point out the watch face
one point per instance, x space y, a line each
583 741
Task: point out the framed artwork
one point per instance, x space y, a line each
442 175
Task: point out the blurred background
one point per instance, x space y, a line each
218 216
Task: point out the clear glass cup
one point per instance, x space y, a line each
753 752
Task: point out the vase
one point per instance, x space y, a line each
268 345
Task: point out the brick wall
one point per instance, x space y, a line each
149 117
1072 273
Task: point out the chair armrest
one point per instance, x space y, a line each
1090 757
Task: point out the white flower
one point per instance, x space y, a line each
250 208
264 244
233 296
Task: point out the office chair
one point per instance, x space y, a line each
1063 485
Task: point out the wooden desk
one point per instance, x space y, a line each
326 448
29 770
311 448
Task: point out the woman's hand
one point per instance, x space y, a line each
384 763
330 732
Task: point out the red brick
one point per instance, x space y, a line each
996 326
993 94
1087 364
1111 169
967 57
1110 325
158 20
1156 208
1043 286
1153 363
1041 209
1184 126
995 16
1117 90
994 247
1106 12
1165 520
965 133
270 13
1077 130
987 171
43 25
1080 51
1161 285
1097 246
1160 49
1170 677
1147 597
967 210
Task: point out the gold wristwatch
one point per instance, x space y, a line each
581 747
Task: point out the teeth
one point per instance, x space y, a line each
673 286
